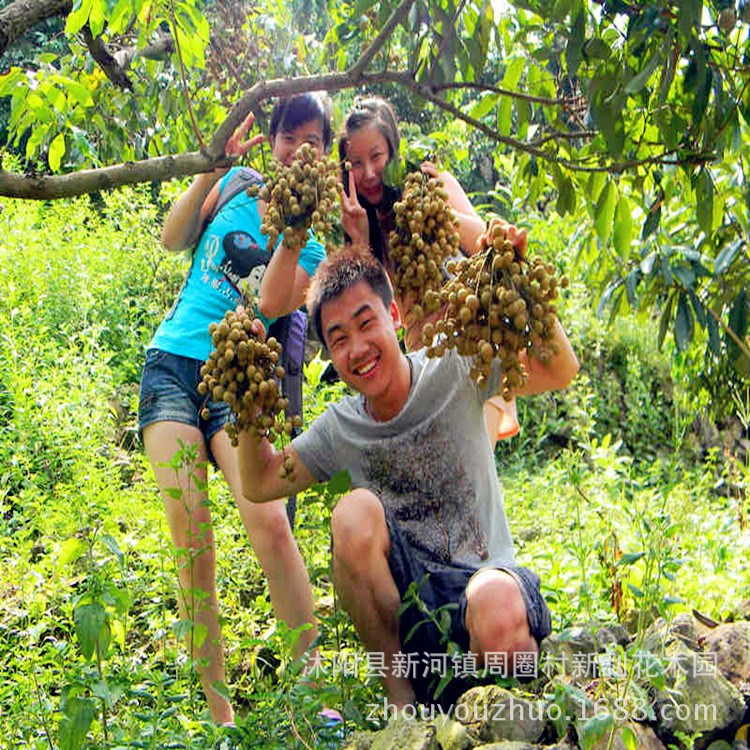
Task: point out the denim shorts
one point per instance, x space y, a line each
440 589
169 393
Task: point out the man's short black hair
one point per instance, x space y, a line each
339 273
294 111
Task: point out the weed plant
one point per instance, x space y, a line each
605 497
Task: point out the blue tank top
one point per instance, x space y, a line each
230 250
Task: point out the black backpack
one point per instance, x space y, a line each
290 330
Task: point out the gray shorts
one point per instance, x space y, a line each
440 589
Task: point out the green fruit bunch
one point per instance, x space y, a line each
497 304
299 196
424 237
244 372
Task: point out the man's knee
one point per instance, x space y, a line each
358 527
496 616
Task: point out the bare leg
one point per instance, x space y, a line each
189 521
496 616
364 582
268 529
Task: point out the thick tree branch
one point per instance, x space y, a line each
44 187
105 60
20 16
161 47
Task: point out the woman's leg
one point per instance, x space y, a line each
270 534
189 519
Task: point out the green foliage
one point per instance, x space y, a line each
603 496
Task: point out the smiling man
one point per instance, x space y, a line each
426 505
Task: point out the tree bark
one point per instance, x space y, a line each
20 16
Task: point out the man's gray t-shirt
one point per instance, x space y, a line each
431 466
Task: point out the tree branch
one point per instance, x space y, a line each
18 17
105 59
44 187
398 15
156 50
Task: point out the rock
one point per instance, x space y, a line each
685 627
570 652
645 738
491 714
511 745
730 643
360 741
452 735
697 698
401 733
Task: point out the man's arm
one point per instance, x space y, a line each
260 470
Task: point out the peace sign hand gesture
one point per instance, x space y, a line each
236 146
353 215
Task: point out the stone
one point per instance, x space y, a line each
697 698
731 644
492 714
402 733
645 738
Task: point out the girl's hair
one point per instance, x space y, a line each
364 112
294 111
337 274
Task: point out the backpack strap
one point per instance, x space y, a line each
232 184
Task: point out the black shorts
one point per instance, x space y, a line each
432 619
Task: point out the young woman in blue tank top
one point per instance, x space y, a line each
228 248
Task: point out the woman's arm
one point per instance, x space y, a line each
185 220
284 283
470 225
556 373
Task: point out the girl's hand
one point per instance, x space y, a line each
237 146
518 237
353 216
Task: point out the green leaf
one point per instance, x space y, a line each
631 283
484 106
593 730
683 324
628 738
74 726
638 593
628 558
652 221
714 340
623 227
56 152
78 17
666 318
704 200
605 211
566 197
576 40
639 81
726 256
70 550
111 544
737 322
340 483
90 621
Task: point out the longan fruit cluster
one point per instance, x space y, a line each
497 304
299 196
425 235
244 372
